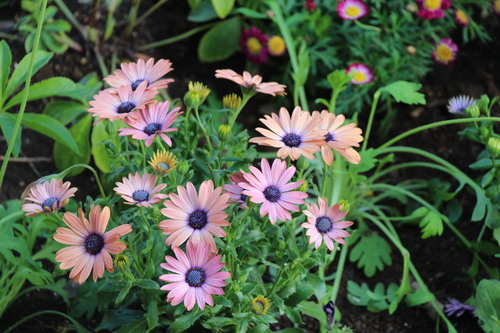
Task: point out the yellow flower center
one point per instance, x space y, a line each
254 46
352 11
276 45
443 52
496 4
359 77
432 4
462 17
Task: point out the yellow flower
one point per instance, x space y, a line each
276 46
260 305
196 95
163 163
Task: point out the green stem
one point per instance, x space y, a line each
176 38
7 36
132 16
69 15
367 26
275 283
338 274
247 94
376 97
150 11
203 129
27 85
96 176
79 327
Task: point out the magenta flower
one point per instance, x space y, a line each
445 51
235 190
196 276
270 187
325 223
254 44
195 216
461 17
119 104
150 122
361 74
140 190
132 74
47 197
432 9
352 9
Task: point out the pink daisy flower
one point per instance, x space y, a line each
361 74
251 82
195 216
325 223
133 74
119 104
235 190
445 51
461 18
48 197
150 122
90 246
196 276
432 9
271 188
339 138
140 190
254 44
352 9
295 135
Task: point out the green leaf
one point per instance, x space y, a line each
64 111
431 224
405 92
221 41
54 86
81 133
203 12
223 7
123 292
317 284
184 322
5 62
488 305
153 314
250 13
338 80
50 127
371 252
7 123
293 315
419 297
101 157
313 310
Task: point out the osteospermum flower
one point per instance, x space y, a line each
325 223
352 9
432 9
461 18
110 105
155 120
163 163
361 74
294 135
48 197
251 82
90 246
261 305
235 190
254 44
270 187
140 190
458 104
133 74
276 46
196 276
339 138
445 51
195 216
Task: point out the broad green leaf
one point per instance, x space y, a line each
419 297
250 13
54 86
488 305
52 128
5 62
152 315
138 325
203 12
221 41
7 122
21 71
184 322
81 133
101 157
51 42
313 310
318 285
371 252
64 111
405 92
338 80
223 7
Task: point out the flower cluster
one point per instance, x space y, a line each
257 46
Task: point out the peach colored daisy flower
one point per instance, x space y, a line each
90 246
270 187
338 137
150 122
47 197
133 74
235 190
294 136
252 82
119 104
196 276
195 216
140 190
325 223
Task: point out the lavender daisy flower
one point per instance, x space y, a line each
455 308
458 104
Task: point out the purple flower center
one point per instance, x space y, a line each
329 137
272 193
324 224
243 197
136 84
94 244
140 195
152 128
49 203
125 107
196 276
292 140
198 219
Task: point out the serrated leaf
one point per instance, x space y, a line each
223 7
419 297
405 92
431 225
371 252
221 41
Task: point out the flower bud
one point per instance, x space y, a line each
493 146
411 8
231 101
303 163
329 309
121 262
411 49
182 167
344 205
473 111
196 94
224 131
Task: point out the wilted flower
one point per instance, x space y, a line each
432 9
270 188
360 73
140 190
235 190
163 163
48 197
260 305
445 51
461 18
458 104
251 82
254 44
90 246
196 276
276 46
455 308
351 9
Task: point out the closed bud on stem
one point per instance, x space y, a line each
344 205
224 131
196 94
182 167
411 49
231 101
493 146
473 111
121 262
329 309
303 163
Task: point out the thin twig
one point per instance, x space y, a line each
27 159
